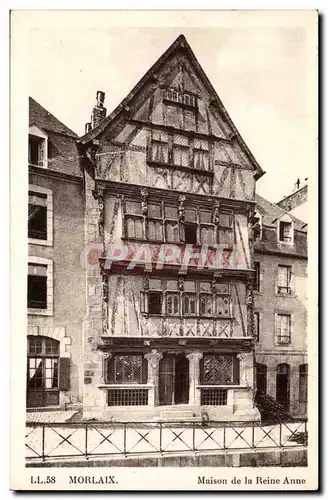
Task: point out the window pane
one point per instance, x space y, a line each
133 207
225 220
172 232
171 212
190 215
223 306
154 230
205 286
37 222
160 152
205 217
201 144
180 156
37 269
222 288
154 211
160 135
37 292
206 305
207 235
189 304
171 284
218 369
155 284
128 369
155 302
172 304
226 237
181 140
51 346
134 228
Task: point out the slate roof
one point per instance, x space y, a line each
38 114
271 212
63 155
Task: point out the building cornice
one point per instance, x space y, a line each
127 189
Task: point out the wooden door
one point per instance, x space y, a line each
166 380
181 383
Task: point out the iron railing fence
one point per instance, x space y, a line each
47 441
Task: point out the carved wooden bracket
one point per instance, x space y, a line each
216 214
144 201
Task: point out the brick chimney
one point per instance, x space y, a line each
99 112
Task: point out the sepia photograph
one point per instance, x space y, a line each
169 203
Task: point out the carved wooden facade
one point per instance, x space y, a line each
168 173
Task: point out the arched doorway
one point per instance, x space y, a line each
261 378
283 385
42 387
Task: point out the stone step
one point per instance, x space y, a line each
179 416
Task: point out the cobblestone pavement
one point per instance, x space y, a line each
49 416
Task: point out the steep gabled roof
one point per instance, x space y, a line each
271 213
179 43
39 115
63 155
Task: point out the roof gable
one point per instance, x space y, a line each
187 74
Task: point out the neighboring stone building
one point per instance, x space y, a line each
280 309
296 203
56 280
167 174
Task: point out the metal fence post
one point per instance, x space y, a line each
253 436
280 435
43 433
124 436
86 441
160 438
224 436
193 437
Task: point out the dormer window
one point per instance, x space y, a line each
285 232
37 147
183 98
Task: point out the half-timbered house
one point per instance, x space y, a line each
169 207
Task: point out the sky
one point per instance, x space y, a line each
261 71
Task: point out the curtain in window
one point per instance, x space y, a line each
155 230
283 276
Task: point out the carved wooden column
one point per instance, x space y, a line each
194 371
246 368
250 308
181 217
153 359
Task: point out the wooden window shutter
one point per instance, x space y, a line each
144 371
292 282
64 374
276 279
109 370
201 370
